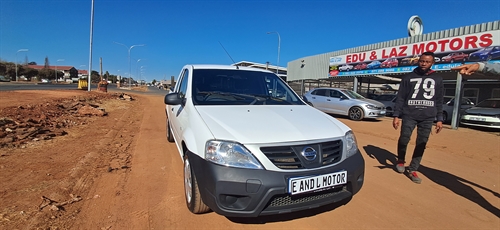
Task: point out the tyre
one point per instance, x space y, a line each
356 114
170 138
445 116
192 192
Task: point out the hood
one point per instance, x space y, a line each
483 111
270 124
371 101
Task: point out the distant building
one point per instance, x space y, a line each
69 72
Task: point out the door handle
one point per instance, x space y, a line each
328 100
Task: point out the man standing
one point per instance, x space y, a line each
419 103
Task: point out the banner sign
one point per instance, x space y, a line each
449 53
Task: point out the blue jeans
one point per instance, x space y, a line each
423 131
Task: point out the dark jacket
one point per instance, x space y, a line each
420 96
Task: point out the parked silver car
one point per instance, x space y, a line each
344 102
389 100
484 114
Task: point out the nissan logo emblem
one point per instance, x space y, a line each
309 153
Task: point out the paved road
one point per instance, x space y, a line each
9 86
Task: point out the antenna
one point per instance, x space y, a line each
228 54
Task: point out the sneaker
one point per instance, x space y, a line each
414 177
400 167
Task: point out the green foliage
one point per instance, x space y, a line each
46 74
29 73
95 77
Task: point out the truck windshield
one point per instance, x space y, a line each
240 87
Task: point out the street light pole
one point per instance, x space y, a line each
279 44
21 50
129 67
137 67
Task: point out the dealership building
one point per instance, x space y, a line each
366 68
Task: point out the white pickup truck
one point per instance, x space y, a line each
252 147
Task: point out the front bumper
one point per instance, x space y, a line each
481 121
374 113
241 192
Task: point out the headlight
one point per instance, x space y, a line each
351 145
230 154
371 106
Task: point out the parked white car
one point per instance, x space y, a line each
389 100
484 114
344 102
252 147
346 67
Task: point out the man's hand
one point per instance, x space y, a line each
439 126
395 123
467 69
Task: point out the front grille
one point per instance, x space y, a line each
331 152
289 157
286 200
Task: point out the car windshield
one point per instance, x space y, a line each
240 87
352 94
489 103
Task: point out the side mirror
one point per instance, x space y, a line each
343 97
173 99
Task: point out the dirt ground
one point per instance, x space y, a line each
115 170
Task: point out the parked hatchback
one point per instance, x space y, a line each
344 102
389 100
484 114
251 146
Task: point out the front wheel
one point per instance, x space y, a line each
193 198
445 117
170 138
356 114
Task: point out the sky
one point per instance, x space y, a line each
165 35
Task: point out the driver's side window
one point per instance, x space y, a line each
334 93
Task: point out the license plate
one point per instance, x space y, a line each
382 112
478 118
299 185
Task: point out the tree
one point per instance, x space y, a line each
153 82
95 77
46 65
9 70
3 68
46 73
106 76
29 73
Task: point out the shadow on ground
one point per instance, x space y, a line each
457 185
